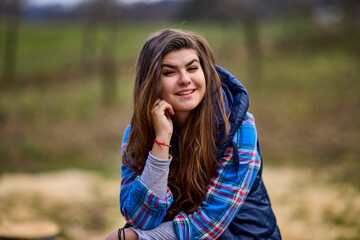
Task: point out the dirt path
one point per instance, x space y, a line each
308 207
85 205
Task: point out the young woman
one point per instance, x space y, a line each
191 160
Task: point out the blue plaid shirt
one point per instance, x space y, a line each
226 191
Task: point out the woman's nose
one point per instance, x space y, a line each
185 79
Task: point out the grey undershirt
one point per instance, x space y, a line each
155 178
165 231
155 175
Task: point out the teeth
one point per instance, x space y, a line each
184 93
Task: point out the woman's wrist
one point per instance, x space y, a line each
161 146
160 151
131 234
164 138
125 234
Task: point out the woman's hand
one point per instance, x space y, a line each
163 126
129 235
162 122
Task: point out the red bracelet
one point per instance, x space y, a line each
161 143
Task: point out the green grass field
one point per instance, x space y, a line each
305 104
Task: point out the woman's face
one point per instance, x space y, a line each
182 80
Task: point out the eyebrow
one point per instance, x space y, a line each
186 65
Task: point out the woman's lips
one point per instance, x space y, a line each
185 93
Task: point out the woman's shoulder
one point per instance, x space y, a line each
249 119
126 133
246 134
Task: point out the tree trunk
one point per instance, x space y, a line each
11 40
88 47
351 25
108 68
254 56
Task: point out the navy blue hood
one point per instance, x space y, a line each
236 101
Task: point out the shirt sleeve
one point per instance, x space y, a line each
155 174
140 206
227 190
165 231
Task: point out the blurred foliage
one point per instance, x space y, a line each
306 105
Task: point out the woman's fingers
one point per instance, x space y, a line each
162 105
157 103
162 122
168 108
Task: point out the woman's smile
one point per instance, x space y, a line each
186 93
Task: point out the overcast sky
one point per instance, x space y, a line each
72 2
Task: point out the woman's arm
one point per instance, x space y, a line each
165 231
129 235
227 190
140 205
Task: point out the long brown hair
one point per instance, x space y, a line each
194 152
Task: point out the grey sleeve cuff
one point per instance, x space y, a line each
165 231
155 175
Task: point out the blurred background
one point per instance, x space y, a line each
67 69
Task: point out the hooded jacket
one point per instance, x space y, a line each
255 218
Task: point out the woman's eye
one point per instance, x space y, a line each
192 69
167 73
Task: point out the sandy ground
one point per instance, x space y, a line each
85 205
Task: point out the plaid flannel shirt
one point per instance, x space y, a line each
226 192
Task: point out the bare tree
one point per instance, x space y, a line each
253 47
351 25
91 18
101 15
12 10
110 17
246 12
108 73
351 14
